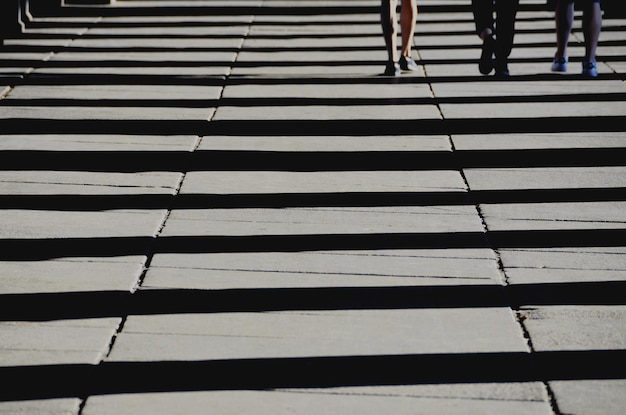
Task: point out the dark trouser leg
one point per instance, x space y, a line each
483 14
505 28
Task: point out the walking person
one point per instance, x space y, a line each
388 18
496 33
592 25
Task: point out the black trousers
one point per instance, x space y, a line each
503 24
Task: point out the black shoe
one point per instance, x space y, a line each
502 70
392 69
485 65
408 64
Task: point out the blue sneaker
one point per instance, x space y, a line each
590 69
559 64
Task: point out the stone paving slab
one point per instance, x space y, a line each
59 182
324 333
71 275
121 102
319 112
330 401
538 141
326 143
33 224
381 268
325 221
94 142
589 215
588 396
41 407
546 178
596 328
320 182
63 341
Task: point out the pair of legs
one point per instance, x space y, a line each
388 19
497 33
592 25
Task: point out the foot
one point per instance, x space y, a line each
408 64
559 64
502 70
392 69
590 69
485 65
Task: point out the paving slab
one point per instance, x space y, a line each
527 216
546 178
321 112
62 341
110 102
590 396
381 268
577 328
538 141
261 182
41 407
598 258
302 221
74 275
314 144
95 142
59 182
324 333
358 89
305 402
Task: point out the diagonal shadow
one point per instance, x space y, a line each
302 101
95 202
79 380
44 249
101 304
220 80
306 161
352 127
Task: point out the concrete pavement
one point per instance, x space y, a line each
223 207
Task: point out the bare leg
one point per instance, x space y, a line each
592 25
388 21
407 25
563 19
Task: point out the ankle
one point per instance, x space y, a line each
485 33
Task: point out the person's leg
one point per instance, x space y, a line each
506 11
483 17
388 22
592 25
563 20
408 16
483 20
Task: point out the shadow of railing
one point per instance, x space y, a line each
293 128
32 249
104 304
97 202
42 382
307 161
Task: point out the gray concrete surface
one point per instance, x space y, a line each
225 208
